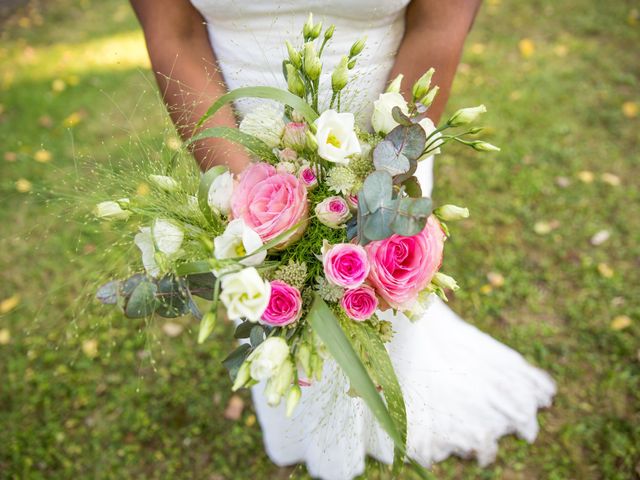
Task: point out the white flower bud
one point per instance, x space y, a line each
445 281
451 213
382 120
293 397
466 115
165 183
111 210
396 83
340 76
421 87
265 361
484 146
243 376
294 56
427 100
357 47
311 61
294 82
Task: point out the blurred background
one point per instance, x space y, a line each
549 262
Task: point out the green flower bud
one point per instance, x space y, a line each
307 28
445 281
312 63
351 64
428 98
451 212
466 115
294 82
312 142
421 87
294 56
484 146
394 86
303 358
242 377
340 76
357 47
329 32
317 30
293 397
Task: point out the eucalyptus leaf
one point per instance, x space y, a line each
400 117
377 190
377 226
408 140
256 337
173 299
412 187
201 284
142 302
244 329
235 359
108 293
386 157
411 215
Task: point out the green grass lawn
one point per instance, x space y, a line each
85 393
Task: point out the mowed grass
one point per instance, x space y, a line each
85 393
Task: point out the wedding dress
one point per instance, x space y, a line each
463 389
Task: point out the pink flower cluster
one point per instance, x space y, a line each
270 202
395 270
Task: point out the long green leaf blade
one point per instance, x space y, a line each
251 143
270 93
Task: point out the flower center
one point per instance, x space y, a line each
333 140
240 250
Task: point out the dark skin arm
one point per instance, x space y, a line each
186 71
434 36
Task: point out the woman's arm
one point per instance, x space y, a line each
187 74
434 36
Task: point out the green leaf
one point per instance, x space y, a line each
191 268
256 336
244 329
142 302
411 215
412 187
327 327
173 299
235 359
251 143
386 157
400 117
203 191
201 284
271 93
377 190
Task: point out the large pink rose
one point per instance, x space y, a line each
359 303
345 264
403 266
270 202
285 305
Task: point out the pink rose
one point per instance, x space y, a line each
285 305
287 155
333 211
269 202
345 264
401 267
352 201
359 303
308 177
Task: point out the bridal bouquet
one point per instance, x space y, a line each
325 228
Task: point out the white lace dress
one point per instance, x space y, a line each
463 389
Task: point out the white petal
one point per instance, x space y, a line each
167 236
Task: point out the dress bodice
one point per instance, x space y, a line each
248 40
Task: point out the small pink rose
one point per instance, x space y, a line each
285 305
295 135
401 267
287 155
359 303
308 177
345 264
352 201
333 211
270 203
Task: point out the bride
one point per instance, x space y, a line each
463 389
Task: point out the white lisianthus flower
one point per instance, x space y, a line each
382 120
239 240
264 122
220 192
428 127
336 137
165 183
245 294
279 383
268 357
162 237
111 210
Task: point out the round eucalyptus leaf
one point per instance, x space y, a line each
142 302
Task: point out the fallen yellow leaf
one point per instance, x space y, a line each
5 336
611 179
620 322
605 270
630 109
72 120
90 348
9 304
495 279
527 47
42 156
586 176
23 185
